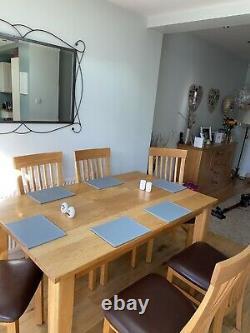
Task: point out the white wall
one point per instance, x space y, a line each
120 80
187 59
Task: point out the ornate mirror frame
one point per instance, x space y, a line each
22 32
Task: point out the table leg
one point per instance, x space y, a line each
133 257
201 225
60 305
3 244
104 274
92 279
150 248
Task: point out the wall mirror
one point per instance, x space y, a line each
37 81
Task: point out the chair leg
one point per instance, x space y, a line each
107 327
92 279
39 304
170 275
133 258
104 274
239 309
190 233
150 247
13 327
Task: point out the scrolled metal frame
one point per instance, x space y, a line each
79 47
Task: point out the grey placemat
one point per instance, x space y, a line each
168 186
35 231
106 182
50 194
120 231
168 211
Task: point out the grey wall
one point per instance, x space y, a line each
245 162
187 59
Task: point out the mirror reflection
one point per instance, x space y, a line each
36 82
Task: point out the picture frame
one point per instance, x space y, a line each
206 133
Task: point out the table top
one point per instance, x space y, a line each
81 250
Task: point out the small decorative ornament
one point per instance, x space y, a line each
195 95
213 99
71 212
64 207
198 142
228 106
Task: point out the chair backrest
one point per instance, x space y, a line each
92 163
227 285
39 171
167 163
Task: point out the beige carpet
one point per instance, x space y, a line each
236 226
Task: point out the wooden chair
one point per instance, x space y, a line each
92 163
39 171
194 267
226 289
168 164
15 297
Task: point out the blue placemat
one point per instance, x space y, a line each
106 182
168 211
168 186
35 231
50 194
120 231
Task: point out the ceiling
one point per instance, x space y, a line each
234 39
154 7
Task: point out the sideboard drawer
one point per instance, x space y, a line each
209 167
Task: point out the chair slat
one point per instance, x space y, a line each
39 171
96 163
39 177
168 163
156 166
171 169
100 167
175 169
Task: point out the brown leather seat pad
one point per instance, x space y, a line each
196 263
168 310
19 280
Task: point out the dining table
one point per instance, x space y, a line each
80 250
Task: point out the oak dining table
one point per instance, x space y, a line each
80 250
